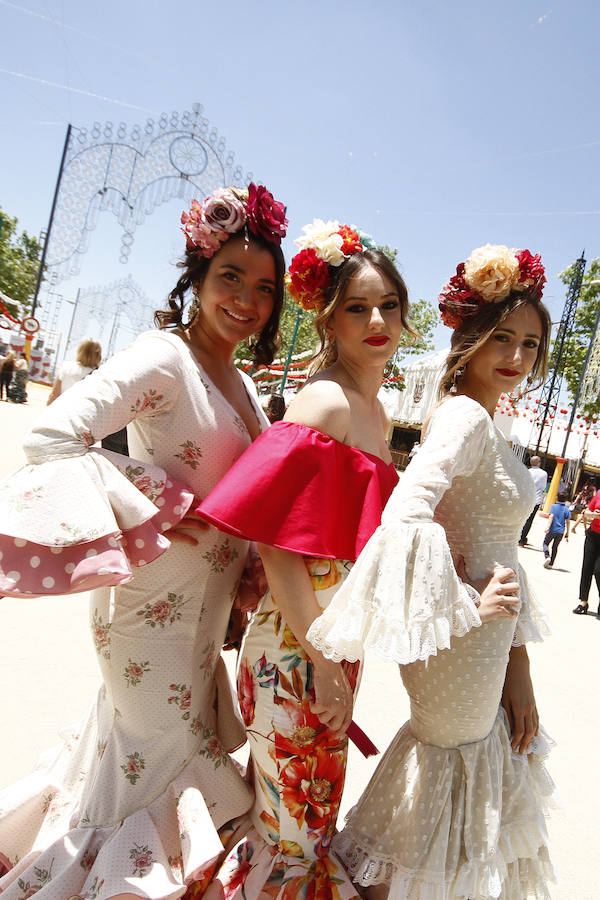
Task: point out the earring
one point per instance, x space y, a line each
530 380
194 308
456 377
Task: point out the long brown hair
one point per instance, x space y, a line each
474 333
195 269
336 291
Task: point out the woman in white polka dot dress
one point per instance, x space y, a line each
138 802
455 808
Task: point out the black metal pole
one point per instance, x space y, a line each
49 229
581 379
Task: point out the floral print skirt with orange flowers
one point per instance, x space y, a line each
298 766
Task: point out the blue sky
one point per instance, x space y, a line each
434 126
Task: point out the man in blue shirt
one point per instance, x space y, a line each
558 525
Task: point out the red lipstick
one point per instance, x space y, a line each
377 340
509 373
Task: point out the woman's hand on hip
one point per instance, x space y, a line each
498 594
333 696
192 521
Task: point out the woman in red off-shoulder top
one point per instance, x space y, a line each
310 491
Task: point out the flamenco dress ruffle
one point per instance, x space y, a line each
467 822
85 522
79 523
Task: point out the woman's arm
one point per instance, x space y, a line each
519 701
293 593
55 392
141 381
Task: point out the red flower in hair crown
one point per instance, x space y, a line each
323 245
489 275
228 210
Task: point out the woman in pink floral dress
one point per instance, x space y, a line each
311 490
137 802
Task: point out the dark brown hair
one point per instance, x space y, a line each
195 269
340 276
474 332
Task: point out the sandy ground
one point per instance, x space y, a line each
48 678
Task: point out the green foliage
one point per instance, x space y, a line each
576 344
19 262
423 316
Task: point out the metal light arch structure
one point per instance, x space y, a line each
109 305
131 173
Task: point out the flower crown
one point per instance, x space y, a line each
489 275
323 245
207 226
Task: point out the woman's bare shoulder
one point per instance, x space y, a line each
321 404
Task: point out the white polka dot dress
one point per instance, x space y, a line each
451 811
133 801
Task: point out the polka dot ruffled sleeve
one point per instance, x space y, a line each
78 517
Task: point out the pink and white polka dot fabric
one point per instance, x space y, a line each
119 511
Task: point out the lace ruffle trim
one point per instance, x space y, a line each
403 599
533 625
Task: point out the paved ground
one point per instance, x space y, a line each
48 677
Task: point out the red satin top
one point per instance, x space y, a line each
298 489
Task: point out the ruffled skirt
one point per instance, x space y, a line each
156 852
466 822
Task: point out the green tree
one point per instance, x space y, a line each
423 316
576 344
19 262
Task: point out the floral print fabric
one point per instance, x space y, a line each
136 800
298 766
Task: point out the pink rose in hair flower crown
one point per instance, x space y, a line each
490 274
223 209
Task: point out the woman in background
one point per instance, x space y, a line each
89 355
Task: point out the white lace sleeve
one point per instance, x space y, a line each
403 598
532 624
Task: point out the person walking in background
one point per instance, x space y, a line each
540 478
7 367
16 392
590 565
558 525
89 355
581 503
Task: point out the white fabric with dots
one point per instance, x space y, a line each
132 801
